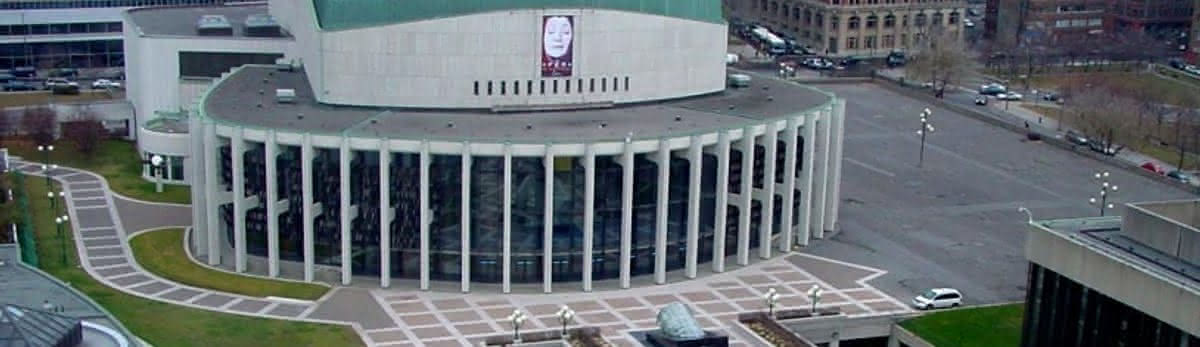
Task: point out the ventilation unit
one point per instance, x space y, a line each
214 25
262 25
285 96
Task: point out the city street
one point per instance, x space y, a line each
954 222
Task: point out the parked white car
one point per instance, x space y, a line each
105 84
1010 96
938 298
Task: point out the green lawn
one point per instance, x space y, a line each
163 324
1163 89
116 160
161 252
44 97
992 326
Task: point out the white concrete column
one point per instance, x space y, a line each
833 182
345 213
695 166
821 174
213 168
270 152
746 197
767 225
548 219
237 154
306 180
627 164
385 214
589 214
506 256
425 215
198 171
789 186
722 203
806 179
661 215
466 219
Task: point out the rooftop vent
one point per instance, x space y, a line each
262 25
285 96
214 25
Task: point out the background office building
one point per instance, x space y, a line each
1043 21
855 27
1116 281
428 145
81 34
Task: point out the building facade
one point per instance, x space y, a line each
871 28
1115 281
1044 21
562 147
1152 16
47 34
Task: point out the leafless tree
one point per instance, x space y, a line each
38 122
941 59
1103 115
85 131
7 123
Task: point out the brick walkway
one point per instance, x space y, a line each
390 317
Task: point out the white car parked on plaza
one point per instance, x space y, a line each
938 298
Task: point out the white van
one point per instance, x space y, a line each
938 298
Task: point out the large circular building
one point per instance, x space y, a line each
555 144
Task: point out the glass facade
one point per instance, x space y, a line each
75 54
1062 312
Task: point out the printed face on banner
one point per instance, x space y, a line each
558 34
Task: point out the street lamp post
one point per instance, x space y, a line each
517 318
58 222
772 298
925 129
1105 188
156 163
814 295
53 201
565 316
46 167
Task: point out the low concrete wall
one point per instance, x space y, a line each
907 338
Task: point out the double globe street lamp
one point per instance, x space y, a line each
1105 188
565 316
46 167
58 222
925 129
814 295
517 318
772 298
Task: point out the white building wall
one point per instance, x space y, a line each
435 63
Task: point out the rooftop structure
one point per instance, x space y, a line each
1142 270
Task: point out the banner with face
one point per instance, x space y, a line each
558 33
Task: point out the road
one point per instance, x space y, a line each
953 222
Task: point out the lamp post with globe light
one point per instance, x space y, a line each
565 316
925 129
53 201
517 318
46 167
814 295
1105 188
58 222
772 298
156 162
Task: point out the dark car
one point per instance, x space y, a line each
1180 176
1099 147
1075 138
896 58
992 89
18 86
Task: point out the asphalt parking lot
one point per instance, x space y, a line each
954 222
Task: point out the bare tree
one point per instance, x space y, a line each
7 123
86 132
1104 116
38 122
941 59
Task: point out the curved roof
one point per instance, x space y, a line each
351 14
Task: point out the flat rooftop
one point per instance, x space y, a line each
26 287
1104 235
181 21
244 99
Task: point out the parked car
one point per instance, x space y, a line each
19 86
992 89
968 23
1009 96
1098 147
109 84
1075 138
896 58
981 100
1180 176
1152 167
60 82
938 298
1192 69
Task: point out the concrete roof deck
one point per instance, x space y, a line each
246 98
181 20
1103 234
